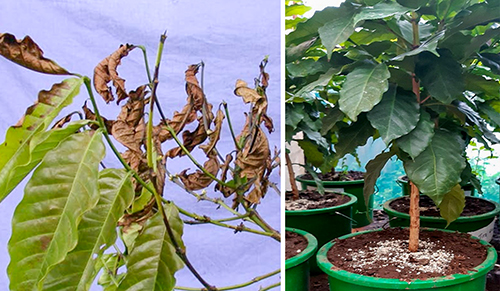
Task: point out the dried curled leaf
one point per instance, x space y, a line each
190 140
180 119
91 116
129 128
214 135
106 71
259 102
198 180
28 54
225 167
193 88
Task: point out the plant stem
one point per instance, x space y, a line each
255 216
231 126
291 175
180 252
146 63
414 218
254 280
270 287
236 228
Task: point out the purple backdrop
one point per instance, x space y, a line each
231 37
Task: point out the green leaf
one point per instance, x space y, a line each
363 89
413 3
337 30
16 147
153 262
396 115
480 40
380 11
488 108
438 168
415 142
474 15
322 81
429 45
96 233
296 52
141 201
453 204
373 169
307 67
110 263
478 84
441 76
353 136
492 61
297 9
332 116
311 152
294 113
61 190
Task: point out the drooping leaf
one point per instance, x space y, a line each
353 136
396 115
311 152
363 89
441 76
214 135
153 262
373 169
61 190
28 54
438 168
96 233
415 142
199 180
429 45
472 117
15 151
106 71
453 204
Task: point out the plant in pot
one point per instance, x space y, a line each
79 219
423 77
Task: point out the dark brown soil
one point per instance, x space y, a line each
329 199
473 206
295 244
319 282
467 254
337 176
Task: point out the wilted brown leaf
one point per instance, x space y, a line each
193 88
129 127
180 119
225 167
28 54
264 77
106 71
61 122
190 140
259 102
198 180
91 116
214 135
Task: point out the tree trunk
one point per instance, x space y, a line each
414 217
291 174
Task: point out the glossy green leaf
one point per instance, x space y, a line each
453 204
307 67
441 76
110 263
96 233
16 147
353 136
322 81
415 142
396 115
61 190
478 85
474 15
336 31
363 89
332 116
438 168
143 199
373 169
153 262
380 11
297 9
488 109
429 45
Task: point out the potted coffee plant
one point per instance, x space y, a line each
76 212
424 77
300 247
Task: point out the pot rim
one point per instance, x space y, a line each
353 201
382 283
484 216
329 183
308 252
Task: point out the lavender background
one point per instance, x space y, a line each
231 37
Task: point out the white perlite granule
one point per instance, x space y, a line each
396 253
303 204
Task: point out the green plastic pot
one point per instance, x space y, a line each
362 211
324 224
341 280
477 225
405 187
297 268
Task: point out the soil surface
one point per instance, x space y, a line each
384 254
473 206
336 176
295 244
312 199
319 282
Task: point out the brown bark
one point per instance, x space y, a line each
291 174
414 217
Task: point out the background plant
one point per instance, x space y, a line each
80 207
420 75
